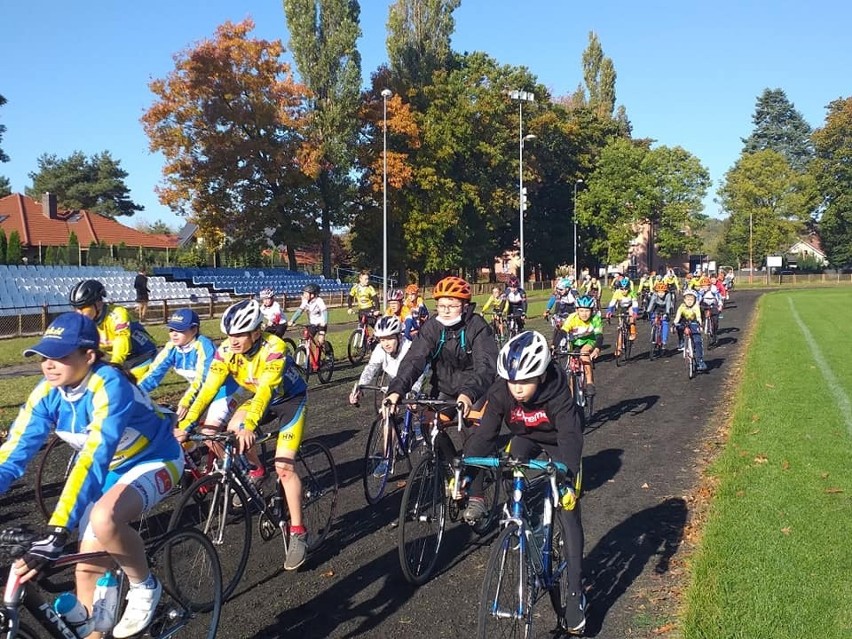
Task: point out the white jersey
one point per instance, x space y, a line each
710 296
271 314
382 361
316 311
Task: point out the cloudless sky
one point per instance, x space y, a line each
76 74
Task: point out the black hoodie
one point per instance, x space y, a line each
551 417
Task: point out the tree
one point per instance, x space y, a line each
3 156
5 186
14 252
323 39
832 171
231 122
79 182
418 42
764 192
780 127
156 228
599 76
73 251
3 246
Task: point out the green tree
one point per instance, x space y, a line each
73 250
14 251
599 76
3 246
764 193
156 228
49 257
79 182
3 156
832 170
780 127
418 42
5 186
323 39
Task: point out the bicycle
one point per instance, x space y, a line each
708 334
498 327
279 330
184 560
313 357
512 325
528 557
577 381
222 503
623 343
657 345
389 440
689 352
361 339
431 494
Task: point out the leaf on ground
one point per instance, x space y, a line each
755 417
740 493
760 459
823 475
833 490
328 573
770 385
645 485
785 465
664 629
786 530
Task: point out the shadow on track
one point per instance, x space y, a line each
633 406
620 556
599 468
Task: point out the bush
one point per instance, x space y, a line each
809 264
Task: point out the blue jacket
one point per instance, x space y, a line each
192 362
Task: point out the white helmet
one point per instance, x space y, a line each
524 357
241 317
388 326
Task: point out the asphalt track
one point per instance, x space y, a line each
640 459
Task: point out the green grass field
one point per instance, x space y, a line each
775 558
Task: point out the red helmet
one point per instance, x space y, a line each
452 286
412 289
396 295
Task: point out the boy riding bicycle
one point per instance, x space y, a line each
259 364
531 397
585 333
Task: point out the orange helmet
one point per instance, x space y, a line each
660 287
452 286
412 289
704 281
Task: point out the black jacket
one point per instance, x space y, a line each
463 358
551 417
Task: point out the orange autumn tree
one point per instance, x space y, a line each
231 121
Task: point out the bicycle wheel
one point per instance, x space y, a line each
689 356
318 474
291 346
303 361
705 334
589 407
52 471
505 604
219 509
579 390
627 351
188 566
377 462
326 363
559 594
491 486
619 347
356 347
655 349
422 516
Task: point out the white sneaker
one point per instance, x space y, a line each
139 612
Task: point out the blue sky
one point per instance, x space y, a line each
75 74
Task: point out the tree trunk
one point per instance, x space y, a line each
291 257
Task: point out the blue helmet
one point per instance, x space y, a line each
586 301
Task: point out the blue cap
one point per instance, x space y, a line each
66 333
183 319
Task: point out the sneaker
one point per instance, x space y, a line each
297 551
574 620
701 365
139 612
590 390
381 469
475 510
680 346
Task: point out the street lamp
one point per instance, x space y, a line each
750 250
576 184
386 93
521 97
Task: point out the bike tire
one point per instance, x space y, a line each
627 351
190 571
291 346
492 483
378 451
326 363
619 347
219 509
318 475
560 593
508 588
422 517
52 471
690 358
356 346
303 360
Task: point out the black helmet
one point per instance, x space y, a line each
86 293
311 288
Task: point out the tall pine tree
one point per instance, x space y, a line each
779 127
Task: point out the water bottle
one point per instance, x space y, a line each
74 613
106 602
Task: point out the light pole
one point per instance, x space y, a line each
521 97
386 93
576 184
750 250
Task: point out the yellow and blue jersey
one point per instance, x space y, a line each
110 422
122 339
192 362
688 314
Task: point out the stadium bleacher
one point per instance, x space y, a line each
248 281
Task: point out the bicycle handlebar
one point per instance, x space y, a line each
16 542
433 403
497 462
372 387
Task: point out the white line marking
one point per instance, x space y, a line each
831 380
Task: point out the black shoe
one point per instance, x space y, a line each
574 621
590 390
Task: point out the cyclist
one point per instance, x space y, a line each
259 364
498 305
563 302
459 346
413 301
127 461
415 319
517 300
188 353
720 287
657 302
673 284
709 299
531 397
584 329
396 297
592 288
317 312
689 314
126 342
274 320
367 299
626 302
